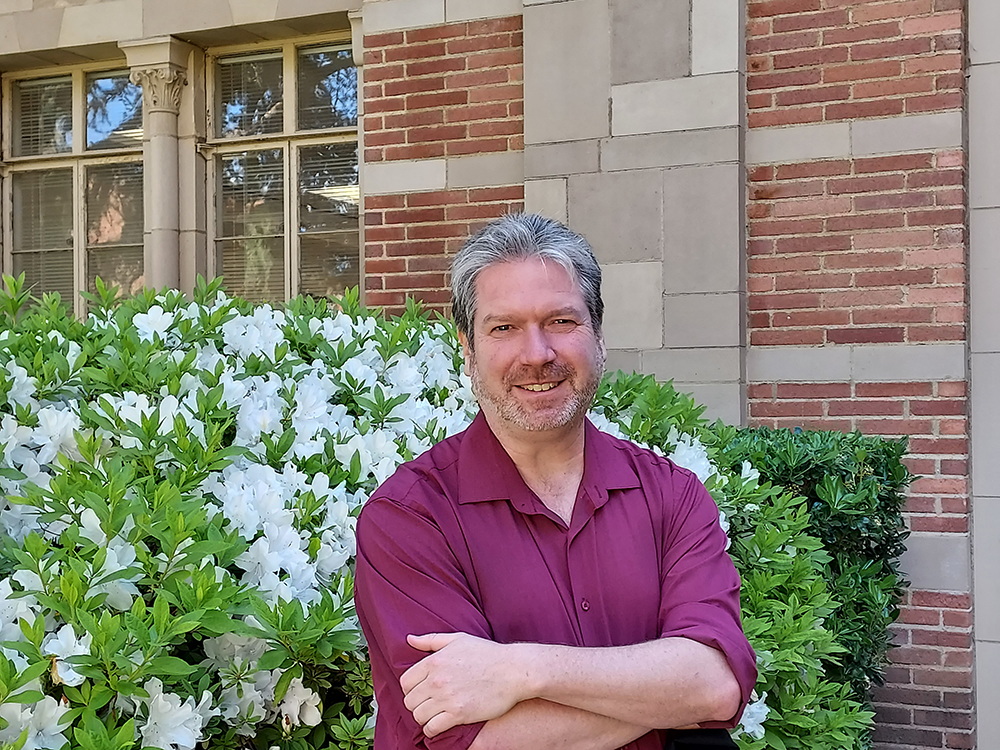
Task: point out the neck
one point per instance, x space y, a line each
550 461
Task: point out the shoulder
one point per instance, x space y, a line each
422 485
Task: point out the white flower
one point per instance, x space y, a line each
172 724
691 454
55 434
242 706
747 471
753 718
12 609
63 645
43 728
229 649
22 388
120 555
154 322
300 706
18 718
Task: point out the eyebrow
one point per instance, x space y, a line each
561 312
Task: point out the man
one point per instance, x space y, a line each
533 582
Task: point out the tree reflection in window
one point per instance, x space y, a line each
327 88
114 111
250 95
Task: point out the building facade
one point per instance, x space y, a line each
796 204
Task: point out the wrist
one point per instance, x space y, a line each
526 659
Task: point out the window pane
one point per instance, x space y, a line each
329 251
43 210
250 95
43 117
114 111
50 271
114 204
328 187
254 268
252 224
116 265
329 263
328 88
115 226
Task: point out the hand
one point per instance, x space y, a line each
465 680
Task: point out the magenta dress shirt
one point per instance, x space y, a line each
455 541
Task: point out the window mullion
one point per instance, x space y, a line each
291 220
289 88
79 237
79 113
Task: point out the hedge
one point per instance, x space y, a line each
180 483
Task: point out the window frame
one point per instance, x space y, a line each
78 158
289 140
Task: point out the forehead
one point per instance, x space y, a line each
531 285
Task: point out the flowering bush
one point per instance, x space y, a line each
180 484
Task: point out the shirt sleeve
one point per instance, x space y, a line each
408 581
700 588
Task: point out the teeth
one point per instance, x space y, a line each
539 387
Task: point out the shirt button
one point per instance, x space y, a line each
584 605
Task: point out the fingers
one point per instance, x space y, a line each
431 641
440 723
412 677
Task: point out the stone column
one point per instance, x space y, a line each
159 65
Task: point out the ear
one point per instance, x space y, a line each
463 340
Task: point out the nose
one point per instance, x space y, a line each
537 349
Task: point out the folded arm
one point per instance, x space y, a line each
667 683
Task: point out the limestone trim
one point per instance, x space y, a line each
161 87
860 363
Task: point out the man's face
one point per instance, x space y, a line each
537 359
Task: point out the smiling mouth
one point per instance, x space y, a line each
539 387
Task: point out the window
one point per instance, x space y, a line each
73 150
284 133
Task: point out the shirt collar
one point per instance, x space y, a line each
486 472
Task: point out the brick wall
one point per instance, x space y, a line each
867 251
436 93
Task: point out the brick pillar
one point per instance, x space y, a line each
443 146
857 291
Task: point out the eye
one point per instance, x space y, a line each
501 328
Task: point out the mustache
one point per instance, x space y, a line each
547 372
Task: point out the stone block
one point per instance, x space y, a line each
620 213
253 11
392 15
798 364
702 227
15 6
556 159
986 530
626 360
38 29
889 135
717 365
297 9
567 71
984 32
716 36
649 41
547 197
711 101
161 18
9 43
987 693
798 143
907 362
633 305
985 435
470 10
683 148
937 562
482 170
693 320
984 146
391 177
725 401
984 280
107 21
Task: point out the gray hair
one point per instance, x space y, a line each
518 237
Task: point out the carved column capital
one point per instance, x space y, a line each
161 87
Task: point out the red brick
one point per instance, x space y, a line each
858 110
940 599
783 301
786 409
415 52
909 696
862 260
437 99
416 36
436 133
415 151
895 427
895 278
858 407
896 48
814 390
952 388
810 57
893 200
793 337
811 318
894 87
862 71
383 40
759 9
800 21
907 162
891 315
780 265
758 81
760 390
888 220
787 282
815 169
947 61
462 46
935 102
871 297
938 407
